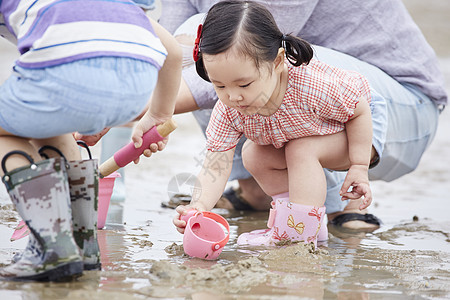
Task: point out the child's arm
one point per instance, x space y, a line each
162 102
210 184
359 136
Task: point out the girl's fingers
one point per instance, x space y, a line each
351 196
363 206
366 201
179 224
181 210
344 189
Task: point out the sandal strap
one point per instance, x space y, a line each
368 218
235 198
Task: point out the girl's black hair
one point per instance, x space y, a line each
252 28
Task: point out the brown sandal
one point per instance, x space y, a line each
234 197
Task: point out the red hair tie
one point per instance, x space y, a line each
197 42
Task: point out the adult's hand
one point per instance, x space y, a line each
90 140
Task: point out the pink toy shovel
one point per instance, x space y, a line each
204 237
121 158
129 153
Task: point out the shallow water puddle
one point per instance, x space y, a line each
143 261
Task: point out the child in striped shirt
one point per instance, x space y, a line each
84 66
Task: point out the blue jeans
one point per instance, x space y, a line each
412 120
404 123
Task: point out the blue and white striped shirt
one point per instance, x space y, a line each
53 32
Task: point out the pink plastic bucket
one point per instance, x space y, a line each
105 189
204 237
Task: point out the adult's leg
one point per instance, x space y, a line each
410 124
412 118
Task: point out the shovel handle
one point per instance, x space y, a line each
129 153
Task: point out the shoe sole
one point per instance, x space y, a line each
92 267
62 273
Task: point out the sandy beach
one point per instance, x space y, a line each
142 256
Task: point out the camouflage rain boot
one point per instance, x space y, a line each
40 193
83 184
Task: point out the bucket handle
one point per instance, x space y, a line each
221 220
48 147
85 146
24 154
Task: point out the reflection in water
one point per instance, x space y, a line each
146 261
142 257
115 214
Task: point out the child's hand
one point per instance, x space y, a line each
154 147
90 140
181 211
144 125
357 178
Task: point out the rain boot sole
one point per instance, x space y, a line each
92 267
62 273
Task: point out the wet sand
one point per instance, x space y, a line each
142 257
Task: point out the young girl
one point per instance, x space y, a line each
299 115
83 66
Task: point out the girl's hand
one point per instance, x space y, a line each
181 211
357 179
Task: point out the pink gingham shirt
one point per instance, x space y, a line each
319 99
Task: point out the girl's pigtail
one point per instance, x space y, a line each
201 68
298 51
